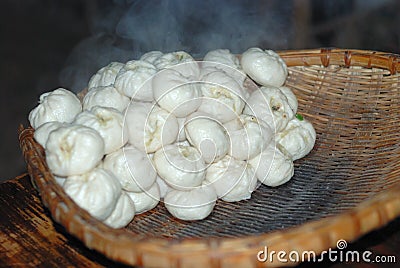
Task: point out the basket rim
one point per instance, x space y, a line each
129 248
343 57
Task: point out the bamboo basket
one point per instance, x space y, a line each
346 187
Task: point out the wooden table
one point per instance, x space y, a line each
29 237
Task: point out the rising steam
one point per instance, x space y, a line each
124 29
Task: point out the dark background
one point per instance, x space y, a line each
39 41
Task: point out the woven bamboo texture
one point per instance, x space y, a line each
347 186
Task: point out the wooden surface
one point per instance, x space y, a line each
29 237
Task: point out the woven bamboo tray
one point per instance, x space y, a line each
346 187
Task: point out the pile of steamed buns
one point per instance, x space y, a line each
167 127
